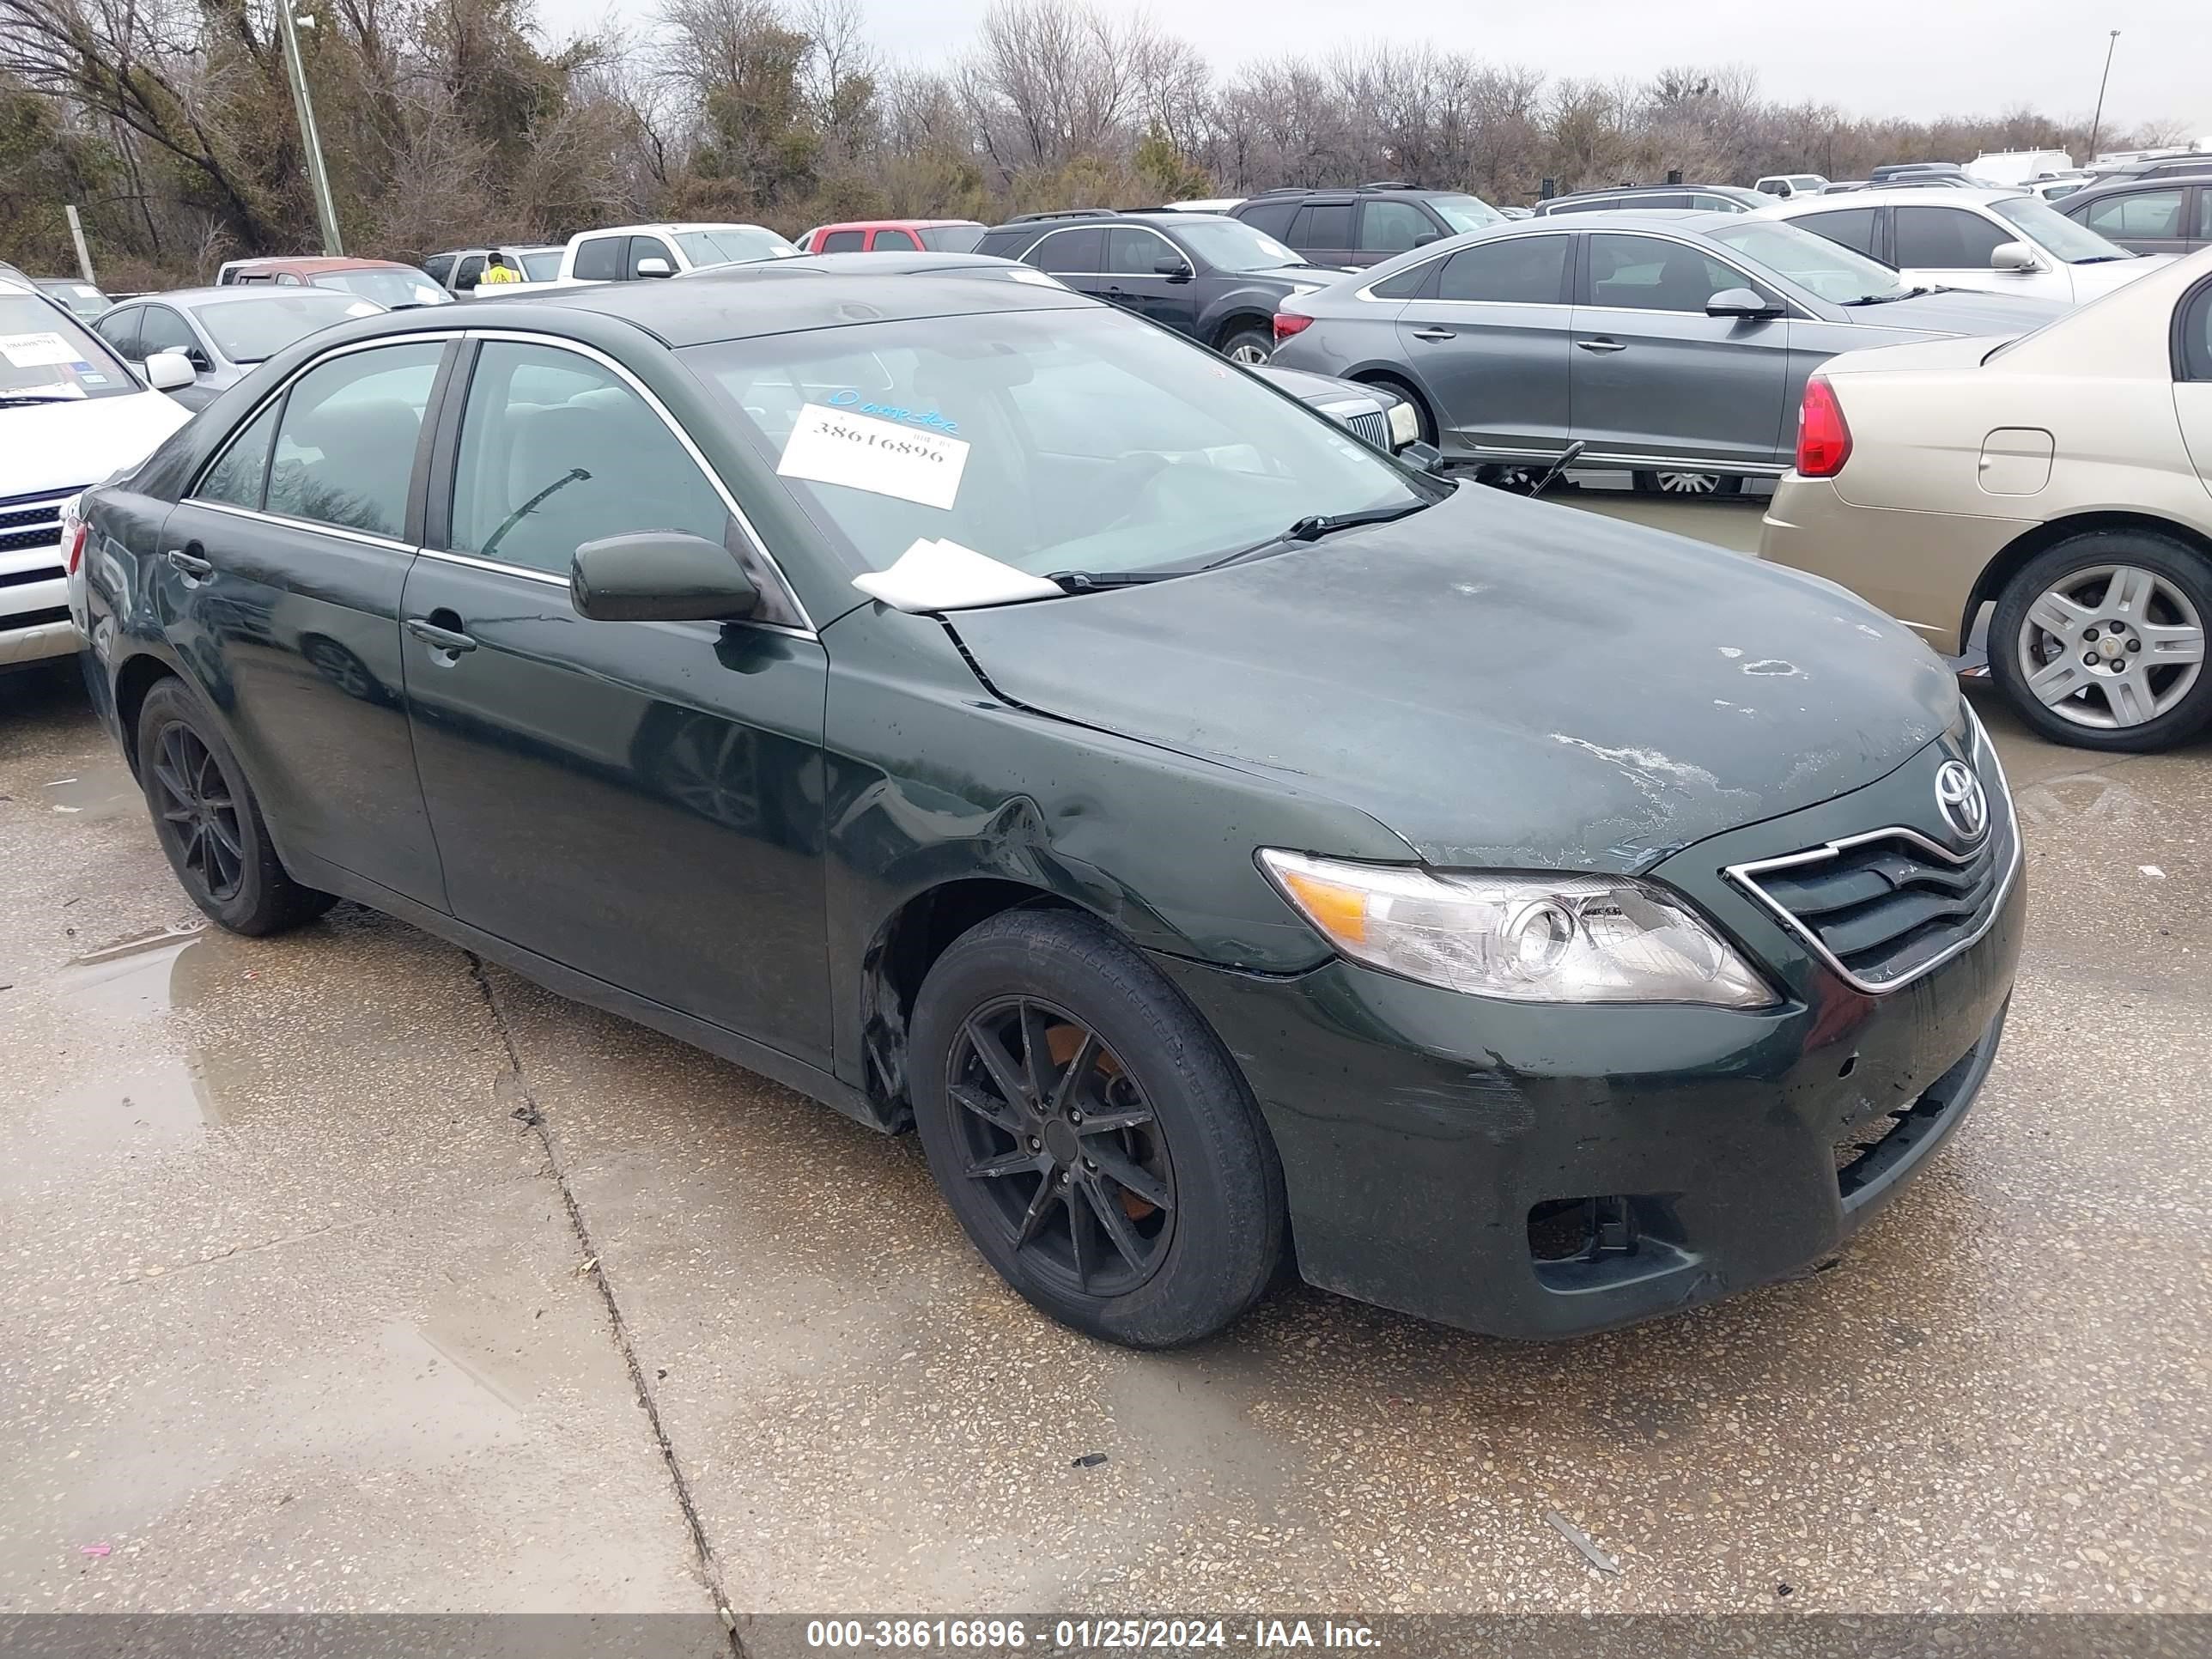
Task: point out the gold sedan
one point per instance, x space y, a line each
2063 477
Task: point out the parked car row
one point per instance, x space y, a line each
1051 737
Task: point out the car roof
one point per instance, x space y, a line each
307 265
229 294
2114 185
1916 196
782 296
890 224
670 226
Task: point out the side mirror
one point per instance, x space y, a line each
168 371
1741 302
658 575
1175 270
1423 458
654 267
1427 237
2013 256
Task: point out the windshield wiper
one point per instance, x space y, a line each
1314 525
2105 258
11 399
1097 582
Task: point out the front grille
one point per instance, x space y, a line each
32 618
14 541
1885 908
1374 426
33 520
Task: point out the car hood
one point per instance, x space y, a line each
1960 311
1505 684
2094 282
58 445
1308 387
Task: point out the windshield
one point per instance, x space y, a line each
253 331
80 298
2051 230
542 267
393 289
1049 440
732 244
1232 245
951 239
1466 212
1813 263
44 355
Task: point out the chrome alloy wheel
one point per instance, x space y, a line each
2111 645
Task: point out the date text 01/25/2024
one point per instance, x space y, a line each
1082 1635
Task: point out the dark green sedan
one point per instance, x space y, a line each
985 711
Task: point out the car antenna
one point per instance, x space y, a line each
1568 457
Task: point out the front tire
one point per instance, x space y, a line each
2099 641
209 824
1247 344
1091 1132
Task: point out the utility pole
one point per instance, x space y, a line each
2098 119
76 236
325 211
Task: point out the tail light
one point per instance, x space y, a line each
74 531
1288 323
1823 437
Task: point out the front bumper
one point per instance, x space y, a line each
1428 1138
38 642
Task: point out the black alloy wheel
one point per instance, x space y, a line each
1095 1140
1065 1145
194 801
209 822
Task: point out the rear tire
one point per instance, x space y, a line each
2141 595
209 822
1689 485
1142 1201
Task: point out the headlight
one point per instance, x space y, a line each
1405 424
1530 938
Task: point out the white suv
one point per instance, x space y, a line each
622 253
72 414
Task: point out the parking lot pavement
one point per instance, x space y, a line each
344 1271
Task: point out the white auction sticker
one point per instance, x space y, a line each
830 446
36 351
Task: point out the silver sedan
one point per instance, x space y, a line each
222 332
1674 344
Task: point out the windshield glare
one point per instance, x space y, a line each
951 239
252 330
44 353
1086 441
1464 213
1813 263
1232 245
732 244
2051 230
542 267
393 289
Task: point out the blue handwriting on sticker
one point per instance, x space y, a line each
849 399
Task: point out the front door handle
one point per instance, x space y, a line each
1435 334
440 639
186 562
1601 345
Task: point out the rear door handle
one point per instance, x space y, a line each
189 565
440 639
1601 345
1435 334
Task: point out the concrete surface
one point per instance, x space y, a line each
305 1311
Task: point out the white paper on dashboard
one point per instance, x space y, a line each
834 446
37 351
942 575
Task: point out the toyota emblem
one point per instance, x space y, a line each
1962 799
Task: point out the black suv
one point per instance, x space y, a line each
1197 273
1366 226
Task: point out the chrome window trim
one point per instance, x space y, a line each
315 527
1062 230
284 385
1366 291
1741 876
806 628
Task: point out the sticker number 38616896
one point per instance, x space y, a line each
832 446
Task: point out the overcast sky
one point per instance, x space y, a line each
1877 56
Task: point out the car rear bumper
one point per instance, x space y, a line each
1545 1171
1918 565
37 641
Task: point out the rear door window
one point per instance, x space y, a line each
119 328
1526 271
469 273
2144 213
1329 227
346 441
600 259
1850 228
901 241
1132 251
1944 238
1071 252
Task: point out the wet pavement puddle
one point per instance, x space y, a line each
97 792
